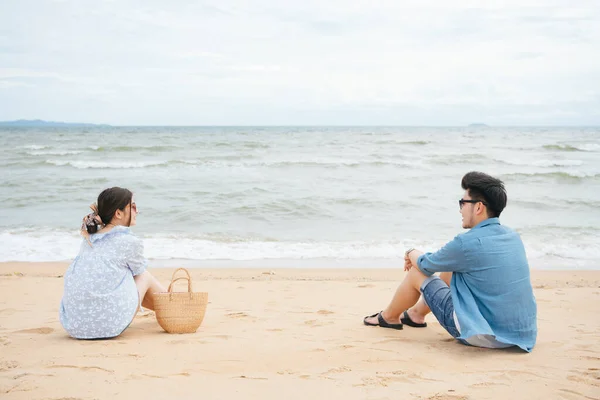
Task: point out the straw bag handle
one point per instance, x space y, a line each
181 269
179 279
188 278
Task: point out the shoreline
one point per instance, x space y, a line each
539 278
308 264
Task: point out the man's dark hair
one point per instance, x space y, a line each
487 189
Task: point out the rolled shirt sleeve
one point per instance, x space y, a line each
450 258
136 261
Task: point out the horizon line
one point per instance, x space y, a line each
472 125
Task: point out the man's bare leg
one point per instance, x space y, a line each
405 297
421 309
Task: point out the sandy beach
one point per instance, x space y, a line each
295 334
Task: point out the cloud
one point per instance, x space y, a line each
312 62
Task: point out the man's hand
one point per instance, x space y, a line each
410 258
407 263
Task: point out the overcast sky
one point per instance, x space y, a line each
277 62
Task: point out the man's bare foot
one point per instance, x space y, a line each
386 318
415 317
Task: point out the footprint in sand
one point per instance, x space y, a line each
443 396
6 365
338 370
315 323
259 378
65 398
85 368
591 376
183 341
584 357
43 330
4 341
325 312
237 315
153 376
487 384
225 337
573 392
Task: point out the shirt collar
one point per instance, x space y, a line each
489 221
119 228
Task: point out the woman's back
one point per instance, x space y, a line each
100 296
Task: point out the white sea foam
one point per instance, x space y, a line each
54 152
540 163
588 147
38 246
106 164
60 246
557 163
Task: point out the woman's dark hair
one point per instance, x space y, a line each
487 189
109 201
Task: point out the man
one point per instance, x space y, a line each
483 296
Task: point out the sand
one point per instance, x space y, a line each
292 334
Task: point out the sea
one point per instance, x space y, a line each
298 197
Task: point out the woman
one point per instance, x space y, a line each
108 278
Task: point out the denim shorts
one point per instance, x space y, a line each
439 299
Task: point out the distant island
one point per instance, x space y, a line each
41 123
478 125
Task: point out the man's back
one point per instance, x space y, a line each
491 286
492 292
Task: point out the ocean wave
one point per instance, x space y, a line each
106 164
571 176
90 164
340 164
124 149
54 153
409 142
246 161
547 203
541 163
573 147
453 159
247 145
34 147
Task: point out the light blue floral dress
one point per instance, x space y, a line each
100 297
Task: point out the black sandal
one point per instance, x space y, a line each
381 322
407 321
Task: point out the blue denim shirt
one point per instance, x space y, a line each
491 286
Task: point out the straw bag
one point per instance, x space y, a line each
180 312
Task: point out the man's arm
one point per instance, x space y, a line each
450 258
